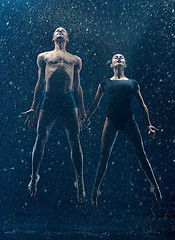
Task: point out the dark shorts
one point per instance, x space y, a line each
58 102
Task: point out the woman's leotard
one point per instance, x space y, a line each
119 96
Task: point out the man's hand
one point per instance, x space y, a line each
31 115
152 131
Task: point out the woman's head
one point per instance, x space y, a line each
118 60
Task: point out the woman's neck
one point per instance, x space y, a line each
119 75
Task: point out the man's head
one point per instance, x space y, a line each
118 60
60 34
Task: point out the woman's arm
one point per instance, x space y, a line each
96 102
145 112
94 106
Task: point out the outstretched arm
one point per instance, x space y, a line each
151 129
31 113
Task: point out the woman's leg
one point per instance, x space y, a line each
109 135
133 134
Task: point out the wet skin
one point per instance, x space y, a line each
58 73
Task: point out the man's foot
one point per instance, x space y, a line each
81 195
157 193
32 187
95 195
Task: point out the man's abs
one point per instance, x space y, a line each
58 80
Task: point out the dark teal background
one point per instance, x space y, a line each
144 32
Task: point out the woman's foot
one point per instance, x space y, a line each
81 194
157 193
32 187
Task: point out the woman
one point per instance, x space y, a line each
120 91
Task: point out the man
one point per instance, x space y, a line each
59 78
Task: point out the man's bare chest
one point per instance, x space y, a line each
60 59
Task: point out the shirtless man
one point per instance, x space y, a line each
120 91
59 78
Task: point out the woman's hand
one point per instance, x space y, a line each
31 115
152 131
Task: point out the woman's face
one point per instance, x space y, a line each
118 60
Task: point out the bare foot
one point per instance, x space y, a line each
157 193
95 195
32 187
81 195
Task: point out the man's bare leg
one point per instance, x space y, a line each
70 121
109 135
133 134
45 123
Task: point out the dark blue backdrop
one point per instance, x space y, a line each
144 32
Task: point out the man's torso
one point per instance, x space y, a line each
59 71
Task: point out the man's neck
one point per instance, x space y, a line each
60 46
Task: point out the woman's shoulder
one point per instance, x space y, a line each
134 83
104 82
133 80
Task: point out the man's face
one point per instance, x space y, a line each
118 60
60 34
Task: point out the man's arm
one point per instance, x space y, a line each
145 112
31 113
78 91
40 83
